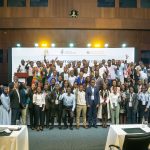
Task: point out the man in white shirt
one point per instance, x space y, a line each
120 71
21 67
72 77
81 107
102 70
60 67
68 107
111 72
144 104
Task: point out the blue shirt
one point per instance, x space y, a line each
68 100
144 98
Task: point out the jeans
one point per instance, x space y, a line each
32 117
131 116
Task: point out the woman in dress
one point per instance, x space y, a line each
5 113
123 113
104 108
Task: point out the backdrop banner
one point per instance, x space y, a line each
70 54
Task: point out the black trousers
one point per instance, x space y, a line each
47 116
32 116
55 111
15 115
39 116
67 112
143 113
29 80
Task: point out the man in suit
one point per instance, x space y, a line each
15 104
93 101
11 84
132 106
80 79
46 93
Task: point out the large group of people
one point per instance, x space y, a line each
64 93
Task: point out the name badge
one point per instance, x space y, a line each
92 97
56 102
120 73
143 102
130 104
114 105
38 74
65 76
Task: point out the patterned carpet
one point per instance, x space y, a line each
82 139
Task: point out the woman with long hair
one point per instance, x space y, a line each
39 106
104 108
5 111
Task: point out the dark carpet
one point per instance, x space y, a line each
82 139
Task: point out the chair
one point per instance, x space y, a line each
134 142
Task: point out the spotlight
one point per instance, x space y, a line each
89 45
71 45
18 45
124 45
97 45
36 45
44 44
106 45
53 45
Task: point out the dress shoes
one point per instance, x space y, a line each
77 127
85 127
59 127
71 128
95 126
65 127
37 129
51 127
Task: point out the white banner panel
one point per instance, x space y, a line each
70 54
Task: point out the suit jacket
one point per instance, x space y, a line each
89 94
47 101
134 101
79 81
14 99
23 98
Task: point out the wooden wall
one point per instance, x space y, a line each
28 25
